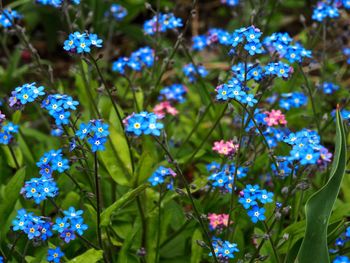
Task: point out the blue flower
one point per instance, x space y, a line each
97 143
8 17
78 225
100 129
257 214
247 201
224 250
341 259
67 235
32 230
84 130
191 71
54 255
61 224
71 213
159 176
95 41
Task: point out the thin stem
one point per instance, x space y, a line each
271 241
98 201
25 251
307 84
183 178
159 223
208 135
13 156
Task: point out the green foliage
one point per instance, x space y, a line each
319 206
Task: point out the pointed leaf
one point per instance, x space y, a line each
319 207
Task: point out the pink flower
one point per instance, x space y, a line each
218 220
275 117
225 148
164 107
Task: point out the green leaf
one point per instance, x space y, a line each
319 207
196 249
11 193
106 214
91 256
116 157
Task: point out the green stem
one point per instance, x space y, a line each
98 201
196 211
13 156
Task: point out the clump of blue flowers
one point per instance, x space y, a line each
96 132
160 175
7 131
59 107
282 44
165 22
70 225
328 87
8 17
39 189
222 177
325 10
143 57
116 11
143 123
250 198
35 227
213 36
306 148
230 3
25 94
52 161
224 250
82 42
192 72
174 92
56 3
292 100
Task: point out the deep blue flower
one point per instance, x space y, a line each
54 255
257 214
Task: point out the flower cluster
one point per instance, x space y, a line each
174 92
222 178
227 148
224 250
234 89
39 189
230 2
307 148
282 44
164 22
164 107
59 106
116 11
96 133
35 227
191 71
81 42
213 36
25 94
70 225
218 221
341 259
160 175
292 100
52 161
7 131
250 37
329 87
249 198
56 3
143 123
274 118
143 57
325 10
54 255
8 17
